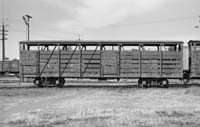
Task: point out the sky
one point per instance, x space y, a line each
100 20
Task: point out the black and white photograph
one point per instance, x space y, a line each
99 63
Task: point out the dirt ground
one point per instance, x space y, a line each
110 104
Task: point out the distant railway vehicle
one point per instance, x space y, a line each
9 67
151 62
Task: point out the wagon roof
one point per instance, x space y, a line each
194 41
95 42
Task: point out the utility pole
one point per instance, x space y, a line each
4 34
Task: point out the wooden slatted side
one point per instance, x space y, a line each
69 52
29 70
6 66
75 56
150 55
15 66
29 62
69 63
49 63
195 64
1 69
129 55
172 55
109 63
151 64
90 63
129 64
150 68
29 57
172 64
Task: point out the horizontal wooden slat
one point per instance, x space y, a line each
124 56
129 65
152 75
172 61
49 75
129 70
28 69
129 61
129 75
91 75
171 66
91 70
91 65
172 53
150 61
130 53
90 61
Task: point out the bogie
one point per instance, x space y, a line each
143 82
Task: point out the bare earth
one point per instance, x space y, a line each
113 106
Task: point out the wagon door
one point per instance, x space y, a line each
109 60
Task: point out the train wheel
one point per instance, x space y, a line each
185 82
38 82
160 83
149 83
60 82
63 81
145 83
165 83
140 83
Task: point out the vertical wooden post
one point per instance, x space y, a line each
161 57
19 67
140 61
182 57
80 60
119 60
59 60
101 60
10 66
38 64
190 55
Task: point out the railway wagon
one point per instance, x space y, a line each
151 62
9 66
194 60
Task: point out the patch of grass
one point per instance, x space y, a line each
178 119
103 118
193 91
32 92
173 114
